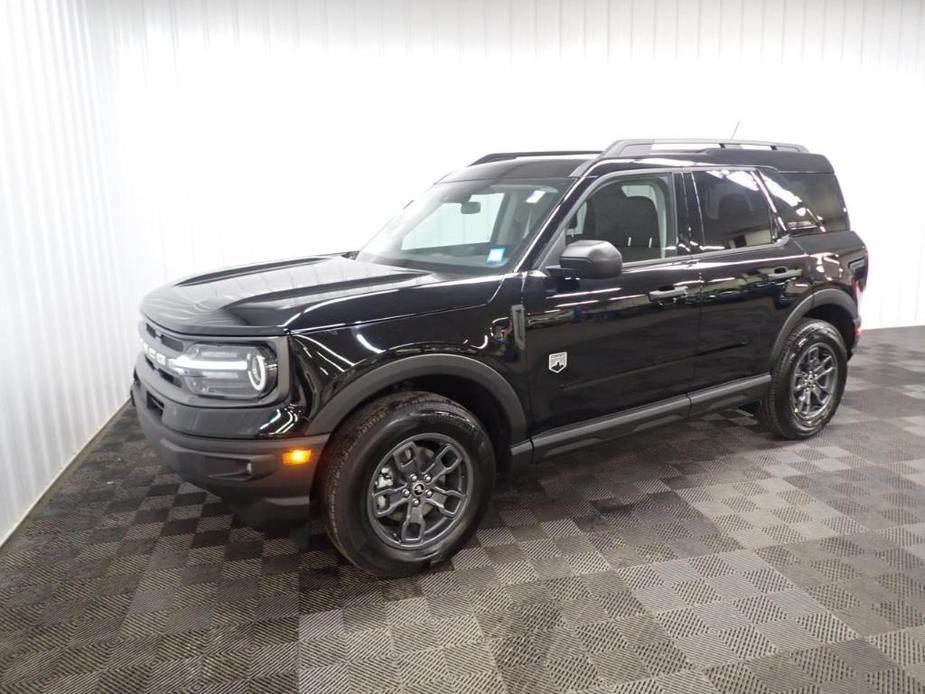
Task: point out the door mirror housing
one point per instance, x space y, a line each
588 259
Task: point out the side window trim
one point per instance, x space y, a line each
779 233
692 210
780 230
680 212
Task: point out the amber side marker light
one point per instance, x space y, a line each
297 456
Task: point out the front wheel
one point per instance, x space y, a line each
807 382
406 481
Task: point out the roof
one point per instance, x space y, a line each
544 166
644 154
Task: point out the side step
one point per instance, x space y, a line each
596 431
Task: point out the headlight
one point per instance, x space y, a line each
241 372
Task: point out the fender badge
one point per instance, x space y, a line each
558 362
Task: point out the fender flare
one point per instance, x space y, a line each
345 401
821 297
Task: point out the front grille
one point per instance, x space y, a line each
169 377
159 349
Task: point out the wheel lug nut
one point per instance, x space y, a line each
416 502
429 493
413 478
427 478
406 492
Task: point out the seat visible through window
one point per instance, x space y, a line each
635 229
634 214
734 211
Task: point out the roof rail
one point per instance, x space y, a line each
502 156
625 148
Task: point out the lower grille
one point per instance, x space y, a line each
155 405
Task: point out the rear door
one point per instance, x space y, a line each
753 273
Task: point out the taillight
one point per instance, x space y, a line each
859 270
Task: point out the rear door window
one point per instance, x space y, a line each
734 210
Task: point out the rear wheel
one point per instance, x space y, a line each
807 382
406 481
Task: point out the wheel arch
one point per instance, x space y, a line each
832 305
470 382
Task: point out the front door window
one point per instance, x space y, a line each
635 214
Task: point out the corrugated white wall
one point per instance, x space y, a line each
153 139
62 350
255 129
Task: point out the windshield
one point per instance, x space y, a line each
466 226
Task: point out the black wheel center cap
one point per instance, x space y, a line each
417 488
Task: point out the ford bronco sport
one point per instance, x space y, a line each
529 304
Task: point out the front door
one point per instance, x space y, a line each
598 346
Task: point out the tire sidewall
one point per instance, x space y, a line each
808 335
350 502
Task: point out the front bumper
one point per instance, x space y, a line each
246 473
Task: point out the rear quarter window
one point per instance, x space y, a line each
820 192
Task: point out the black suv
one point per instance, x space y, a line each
529 304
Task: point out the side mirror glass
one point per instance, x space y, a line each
588 259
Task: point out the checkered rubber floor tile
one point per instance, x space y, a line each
706 557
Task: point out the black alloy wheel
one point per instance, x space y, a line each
405 481
807 381
419 490
814 381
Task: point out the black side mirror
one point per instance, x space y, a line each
588 259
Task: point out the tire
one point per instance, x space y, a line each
368 470
787 409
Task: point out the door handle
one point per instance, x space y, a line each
662 294
784 274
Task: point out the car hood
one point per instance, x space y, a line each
307 294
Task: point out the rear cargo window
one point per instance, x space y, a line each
821 193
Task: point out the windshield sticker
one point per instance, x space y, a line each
495 255
535 196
